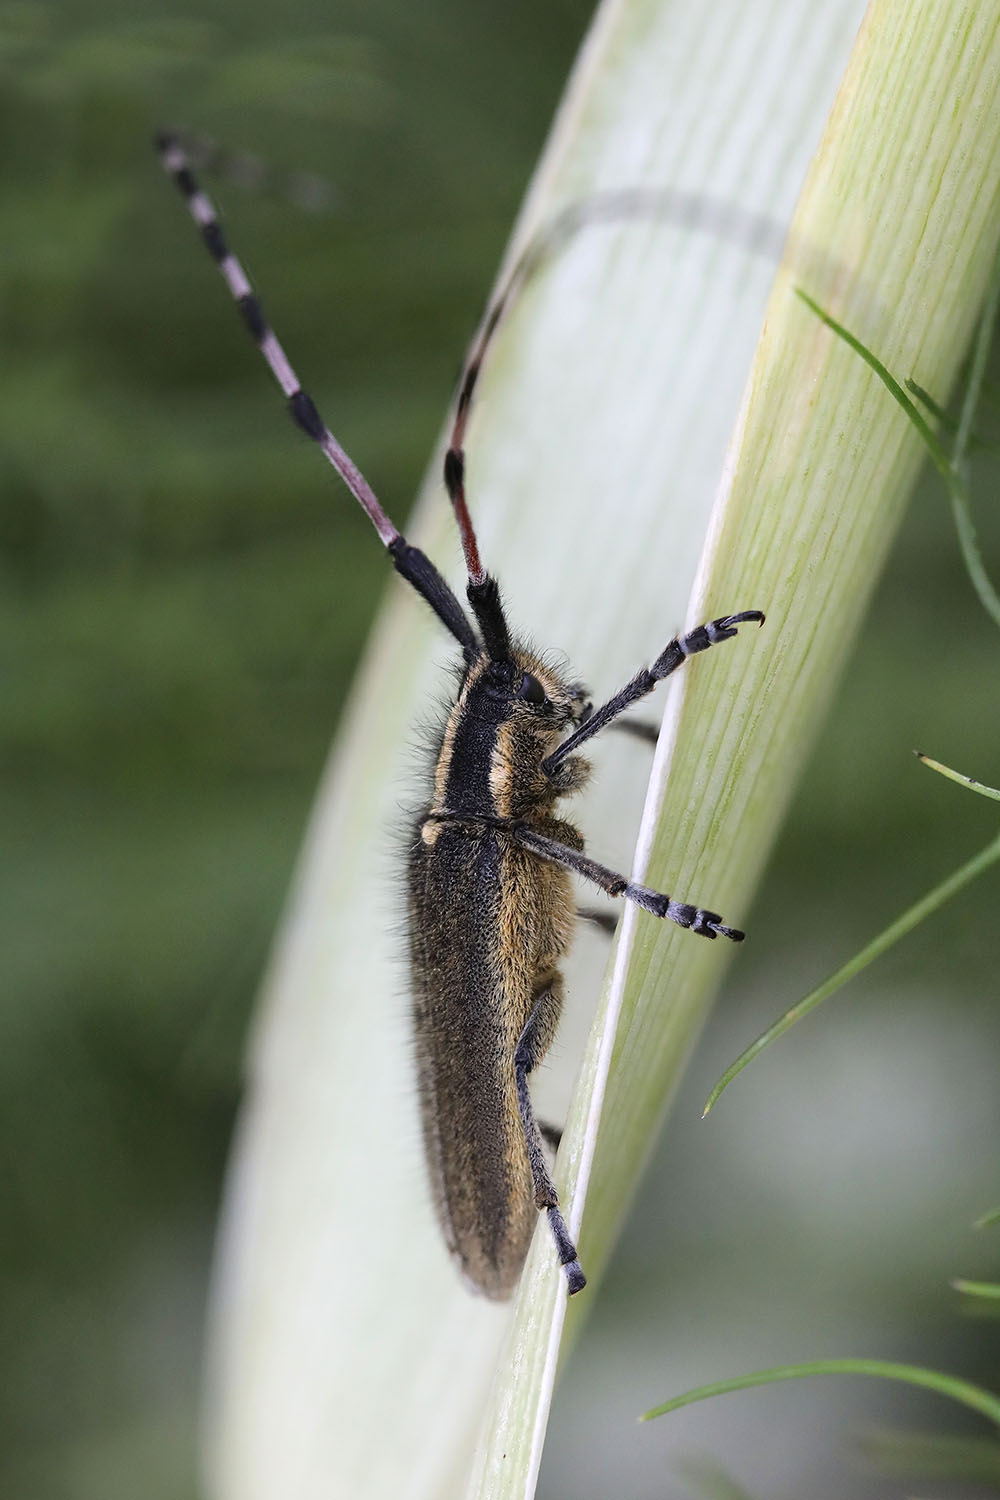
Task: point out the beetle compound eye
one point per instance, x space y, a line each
531 689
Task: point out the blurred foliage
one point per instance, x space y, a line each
184 595
185 592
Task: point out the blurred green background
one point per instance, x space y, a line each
185 594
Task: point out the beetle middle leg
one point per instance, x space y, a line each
530 1048
705 923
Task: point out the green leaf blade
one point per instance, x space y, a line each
951 1386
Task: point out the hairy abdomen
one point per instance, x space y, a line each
488 925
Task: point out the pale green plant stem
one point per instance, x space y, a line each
963 1391
347 1357
887 939
958 776
952 469
989 1290
977 371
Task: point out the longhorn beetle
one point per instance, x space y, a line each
491 908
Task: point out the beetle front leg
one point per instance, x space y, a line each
674 654
569 775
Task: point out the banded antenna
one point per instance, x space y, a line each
409 562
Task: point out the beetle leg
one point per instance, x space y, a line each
607 923
705 923
674 654
529 1050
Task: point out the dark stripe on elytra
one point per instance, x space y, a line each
492 1164
456 882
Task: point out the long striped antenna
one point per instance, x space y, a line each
694 211
714 216
409 562
307 191
482 590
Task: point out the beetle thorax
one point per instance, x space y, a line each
507 718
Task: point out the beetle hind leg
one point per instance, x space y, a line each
531 1048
